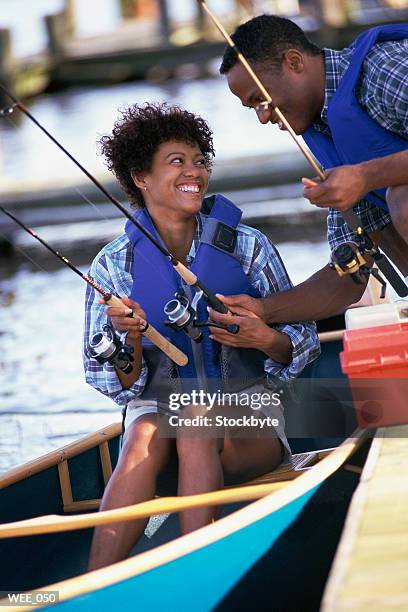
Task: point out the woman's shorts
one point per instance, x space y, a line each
270 409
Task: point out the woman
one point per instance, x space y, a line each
162 157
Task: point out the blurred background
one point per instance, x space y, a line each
76 64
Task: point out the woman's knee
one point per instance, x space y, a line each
198 446
245 459
141 442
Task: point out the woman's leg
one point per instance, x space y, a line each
200 471
397 200
204 460
142 458
246 458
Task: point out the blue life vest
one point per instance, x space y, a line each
155 282
355 136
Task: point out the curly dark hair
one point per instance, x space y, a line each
138 133
264 39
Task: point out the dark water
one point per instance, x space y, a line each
79 117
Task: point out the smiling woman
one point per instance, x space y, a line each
162 157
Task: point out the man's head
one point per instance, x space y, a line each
286 62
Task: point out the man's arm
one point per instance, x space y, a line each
323 295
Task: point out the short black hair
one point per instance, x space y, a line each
264 39
139 132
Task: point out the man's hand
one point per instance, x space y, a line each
243 305
122 322
342 189
253 333
251 329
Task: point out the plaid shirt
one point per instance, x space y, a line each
112 270
383 92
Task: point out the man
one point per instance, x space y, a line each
363 130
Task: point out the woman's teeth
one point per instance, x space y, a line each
189 188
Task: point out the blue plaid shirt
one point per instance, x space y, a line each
383 92
112 270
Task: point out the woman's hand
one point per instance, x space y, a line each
122 322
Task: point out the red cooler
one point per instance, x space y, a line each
375 359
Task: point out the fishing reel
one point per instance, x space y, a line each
182 316
346 260
108 347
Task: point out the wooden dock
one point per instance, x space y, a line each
370 571
153 48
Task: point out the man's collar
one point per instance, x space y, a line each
334 70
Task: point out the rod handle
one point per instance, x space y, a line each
187 275
394 279
192 280
154 336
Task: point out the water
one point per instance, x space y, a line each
44 401
80 116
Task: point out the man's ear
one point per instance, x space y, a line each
294 60
139 179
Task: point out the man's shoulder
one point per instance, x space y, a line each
386 58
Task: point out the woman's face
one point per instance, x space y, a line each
177 181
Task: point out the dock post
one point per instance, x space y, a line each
7 72
56 26
165 28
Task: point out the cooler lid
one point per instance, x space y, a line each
374 316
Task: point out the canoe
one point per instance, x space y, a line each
287 538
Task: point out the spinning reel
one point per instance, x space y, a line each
182 316
346 260
107 347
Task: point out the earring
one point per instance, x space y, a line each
145 188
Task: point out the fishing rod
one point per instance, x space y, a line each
350 216
187 275
113 352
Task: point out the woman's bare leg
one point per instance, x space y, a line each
246 458
200 471
397 200
142 458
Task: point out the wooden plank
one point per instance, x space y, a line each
65 483
105 461
370 571
60 455
82 506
